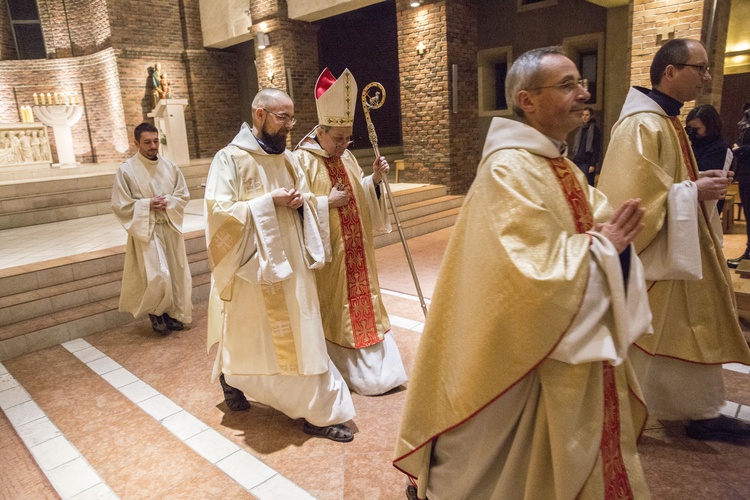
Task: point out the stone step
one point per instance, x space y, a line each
46 331
52 200
56 298
426 207
419 226
416 194
68 269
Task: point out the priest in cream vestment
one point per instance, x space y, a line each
352 206
264 240
148 198
690 289
521 388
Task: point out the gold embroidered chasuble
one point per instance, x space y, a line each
156 275
512 282
353 312
263 309
693 320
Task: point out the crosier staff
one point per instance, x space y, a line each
374 102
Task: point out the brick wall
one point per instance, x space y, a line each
100 135
293 45
439 146
464 130
103 50
684 17
425 95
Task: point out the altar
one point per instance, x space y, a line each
24 145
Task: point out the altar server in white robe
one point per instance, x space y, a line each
358 331
148 198
264 239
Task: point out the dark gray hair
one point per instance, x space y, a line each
526 73
675 52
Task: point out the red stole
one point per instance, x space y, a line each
361 312
615 475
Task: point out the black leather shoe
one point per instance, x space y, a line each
721 428
172 324
158 324
233 397
733 263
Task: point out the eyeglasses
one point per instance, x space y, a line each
342 142
567 86
284 118
702 68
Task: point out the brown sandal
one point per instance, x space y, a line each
339 432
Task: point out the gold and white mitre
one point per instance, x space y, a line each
336 99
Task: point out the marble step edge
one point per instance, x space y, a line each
74 313
419 226
49 300
426 207
94 320
47 273
93 194
73 183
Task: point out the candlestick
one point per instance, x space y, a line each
49 98
36 99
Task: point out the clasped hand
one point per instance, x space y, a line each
283 197
624 225
158 203
338 197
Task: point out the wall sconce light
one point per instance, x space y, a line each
262 40
415 3
421 49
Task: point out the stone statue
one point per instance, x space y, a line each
25 148
155 75
36 146
166 87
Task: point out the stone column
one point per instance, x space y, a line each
440 146
293 45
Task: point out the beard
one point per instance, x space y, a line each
275 143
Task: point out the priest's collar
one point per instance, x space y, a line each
147 161
561 146
670 105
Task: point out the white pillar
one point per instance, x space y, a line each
169 118
61 117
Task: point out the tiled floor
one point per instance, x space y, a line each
130 414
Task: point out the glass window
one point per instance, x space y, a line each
587 64
23 10
27 29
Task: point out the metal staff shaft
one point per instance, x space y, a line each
375 102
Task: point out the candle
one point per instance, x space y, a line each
36 99
66 98
31 114
75 97
57 98
49 98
